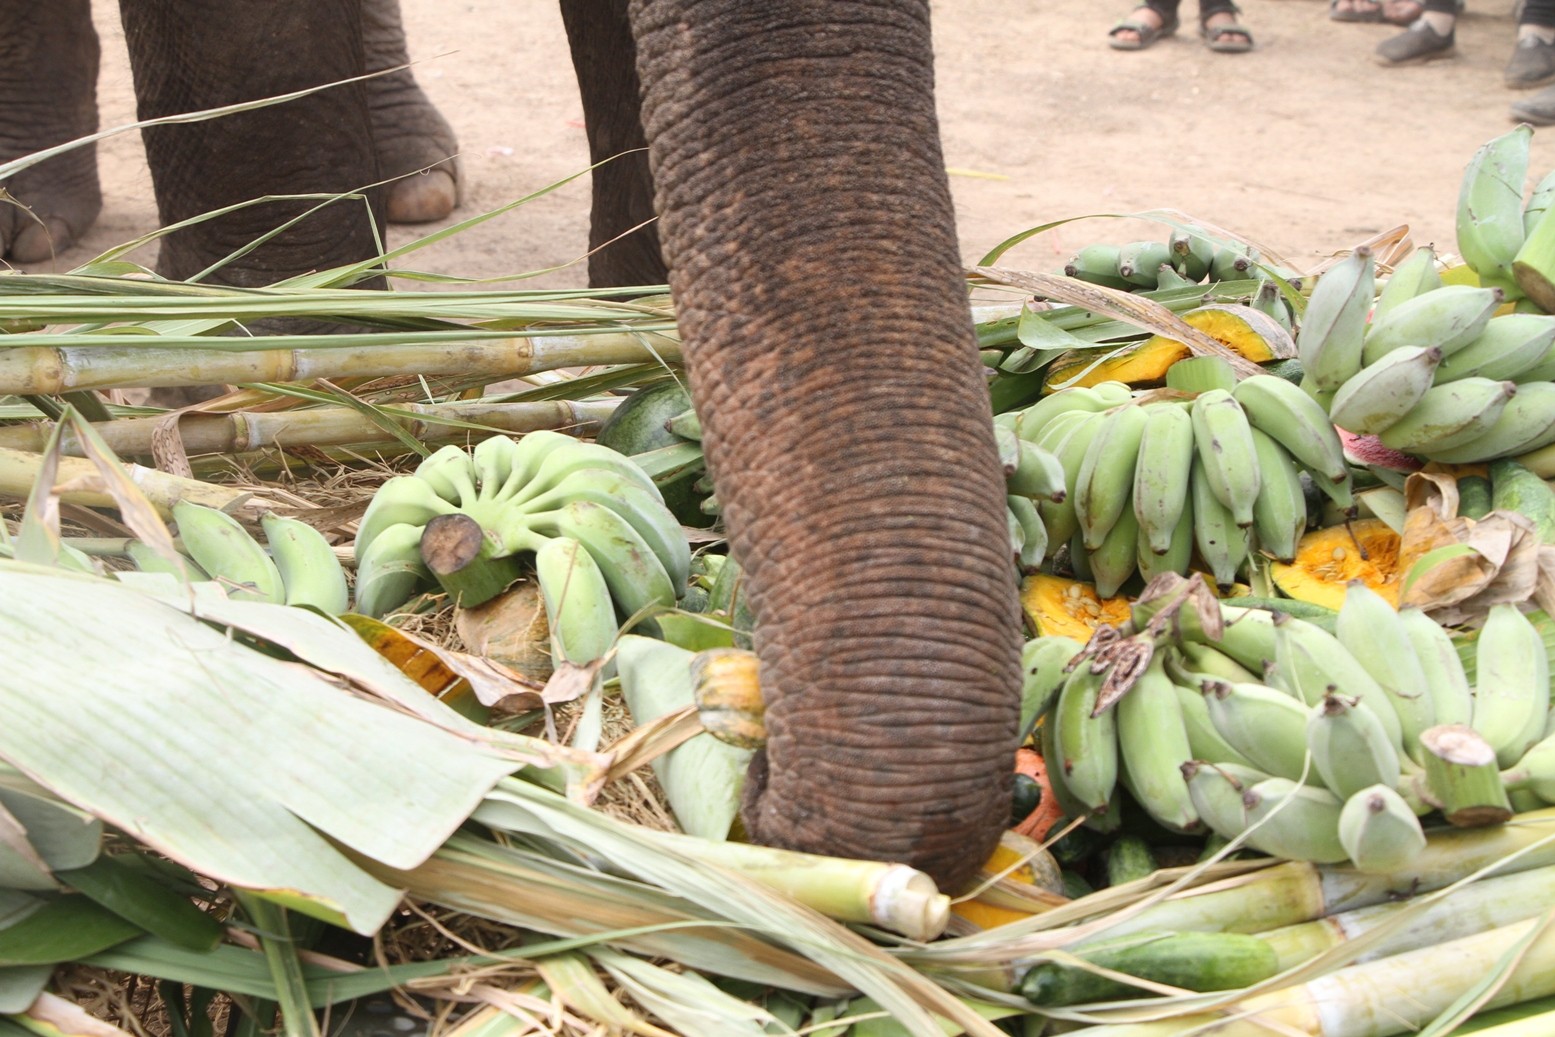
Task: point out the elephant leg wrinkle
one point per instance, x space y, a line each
807 223
48 95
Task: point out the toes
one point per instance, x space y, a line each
38 243
423 197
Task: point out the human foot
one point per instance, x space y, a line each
1223 33
1354 11
1144 25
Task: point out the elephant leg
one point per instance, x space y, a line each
48 95
411 135
604 58
807 221
188 55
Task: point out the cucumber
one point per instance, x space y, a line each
1474 496
1515 488
1312 612
1129 858
1193 961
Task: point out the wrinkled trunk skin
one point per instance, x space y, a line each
808 226
604 58
193 54
48 95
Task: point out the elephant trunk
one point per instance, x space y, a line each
809 230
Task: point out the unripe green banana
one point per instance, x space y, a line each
1379 832
1309 662
1280 510
1416 275
1299 424
1446 684
1097 264
1233 263
309 569
404 499
1330 338
389 570
148 561
1113 560
1060 517
1512 684
1248 637
1106 475
1381 394
1044 663
1139 261
1538 200
220 545
1086 742
1449 415
565 461
1526 422
637 577
1036 473
642 507
1510 345
1191 254
1161 473
451 475
1179 553
1153 746
1206 661
492 459
578 606
1296 822
1032 421
1224 440
1536 770
1371 631
1264 725
1216 791
1269 301
1350 748
1166 277
1490 205
1223 545
1204 738
1449 317
1028 536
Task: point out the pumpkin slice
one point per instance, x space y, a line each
1029 883
1055 605
1255 335
1328 559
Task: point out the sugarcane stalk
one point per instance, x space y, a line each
322 427
40 364
76 479
1470 909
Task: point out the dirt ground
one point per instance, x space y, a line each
1304 145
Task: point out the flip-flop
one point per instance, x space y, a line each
1227 39
1145 34
1355 12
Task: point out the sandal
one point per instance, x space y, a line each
1357 10
1419 43
1227 37
1144 34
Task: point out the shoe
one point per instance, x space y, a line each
1227 37
1354 11
1418 43
1144 34
1532 64
1538 109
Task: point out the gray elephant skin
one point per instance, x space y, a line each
805 222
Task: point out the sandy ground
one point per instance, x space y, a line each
1304 145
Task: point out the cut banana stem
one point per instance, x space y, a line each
461 557
1461 773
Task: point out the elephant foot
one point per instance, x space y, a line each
416 145
61 199
423 197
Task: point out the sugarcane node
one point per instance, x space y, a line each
450 543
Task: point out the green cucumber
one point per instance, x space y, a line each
1192 961
1515 488
640 425
1129 858
1312 612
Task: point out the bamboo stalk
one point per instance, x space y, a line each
322 427
77 482
43 365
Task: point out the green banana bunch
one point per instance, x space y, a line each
1490 206
1140 262
1449 415
1525 422
298 568
220 545
1097 264
523 494
1449 317
1191 254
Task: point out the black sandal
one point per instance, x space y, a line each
1230 38
1144 34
